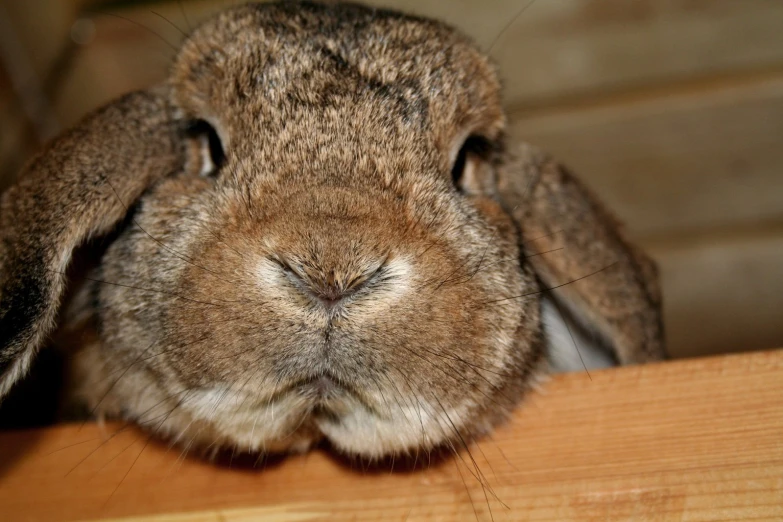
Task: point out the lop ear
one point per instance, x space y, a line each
81 185
577 249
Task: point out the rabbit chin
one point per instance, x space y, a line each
217 418
295 421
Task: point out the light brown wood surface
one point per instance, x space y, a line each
690 440
721 290
684 160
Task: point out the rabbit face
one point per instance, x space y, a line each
330 279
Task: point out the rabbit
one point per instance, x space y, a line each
319 231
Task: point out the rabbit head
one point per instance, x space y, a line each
322 232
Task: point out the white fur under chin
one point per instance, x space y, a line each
229 418
561 352
273 426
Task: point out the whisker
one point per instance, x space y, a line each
94 409
128 472
573 340
172 24
508 26
465 485
184 15
551 287
105 464
72 445
399 395
96 449
117 455
139 24
464 379
144 423
479 475
509 259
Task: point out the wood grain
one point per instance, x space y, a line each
721 290
676 161
696 440
41 28
572 48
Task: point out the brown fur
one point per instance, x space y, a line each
330 281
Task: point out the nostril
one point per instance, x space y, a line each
297 276
366 278
329 303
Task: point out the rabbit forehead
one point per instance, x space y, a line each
261 69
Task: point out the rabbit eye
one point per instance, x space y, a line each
474 150
212 155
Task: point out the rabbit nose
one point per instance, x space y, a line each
331 288
329 293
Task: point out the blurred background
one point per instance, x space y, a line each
671 110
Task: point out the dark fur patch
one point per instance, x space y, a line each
24 298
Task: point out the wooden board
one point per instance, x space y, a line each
40 29
722 291
697 440
573 48
675 161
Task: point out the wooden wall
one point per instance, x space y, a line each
671 110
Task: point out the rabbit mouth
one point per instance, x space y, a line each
323 390
329 398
